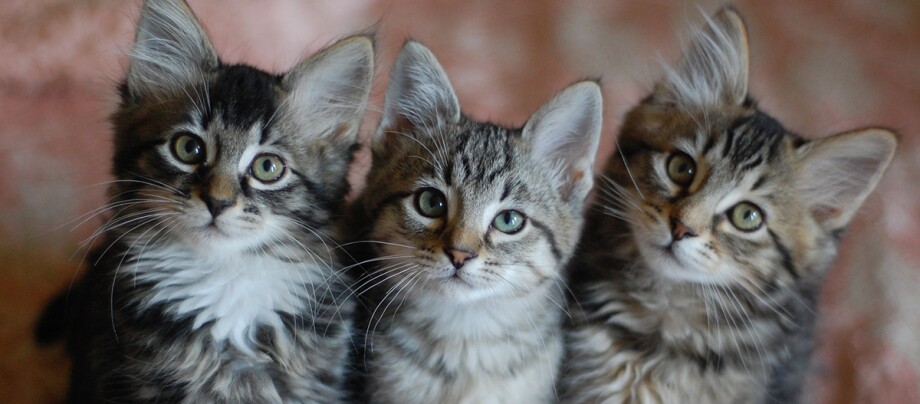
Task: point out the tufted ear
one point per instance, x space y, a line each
714 68
836 174
565 134
419 96
328 92
171 50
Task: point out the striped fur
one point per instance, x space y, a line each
674 303
209 284
488 331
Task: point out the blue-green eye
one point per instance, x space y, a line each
509 221
188 148
430 203
746 216
267 167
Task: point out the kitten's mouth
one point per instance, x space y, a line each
213 229
668 252
455 278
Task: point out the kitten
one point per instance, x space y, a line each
215 281
470 225
698 274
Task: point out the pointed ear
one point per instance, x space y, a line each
565 134
837 173
419 95
171 49
328 92
714 68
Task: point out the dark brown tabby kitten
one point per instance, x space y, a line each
698 272
215 281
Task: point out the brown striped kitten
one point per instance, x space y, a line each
698 272
214 281
469 226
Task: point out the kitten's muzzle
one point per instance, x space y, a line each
459 255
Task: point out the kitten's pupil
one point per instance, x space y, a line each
681 168
431 203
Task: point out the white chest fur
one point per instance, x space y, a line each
489 352
228 293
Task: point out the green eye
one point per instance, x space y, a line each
430 203
267 167
746 216
681 168
509 221
188 148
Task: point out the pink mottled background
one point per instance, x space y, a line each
819 66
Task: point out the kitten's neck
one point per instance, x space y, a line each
489 316
494 336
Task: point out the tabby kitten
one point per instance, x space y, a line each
470 225
215 281
698 274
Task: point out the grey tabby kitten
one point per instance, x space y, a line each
470 225
699 271
214 281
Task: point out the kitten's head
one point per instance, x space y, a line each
466 209
228 156
718 192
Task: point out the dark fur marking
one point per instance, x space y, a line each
506 191
549 236
788 265
759 183
243 95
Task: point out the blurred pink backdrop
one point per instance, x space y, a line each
820 67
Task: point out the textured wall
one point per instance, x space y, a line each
819 66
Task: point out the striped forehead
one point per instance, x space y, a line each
241 97
746 143
480 157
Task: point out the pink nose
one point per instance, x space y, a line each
679 230
458 255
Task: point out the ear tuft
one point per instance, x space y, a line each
714 67
328 92
565 134
419 95
171 49
836 174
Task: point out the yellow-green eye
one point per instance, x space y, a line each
267 167
430 203
681 169
746 216
509 221
188 148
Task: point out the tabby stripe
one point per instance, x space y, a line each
709 145
448 173
788 265
730 140
549 236
759 183
751 164
505 192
